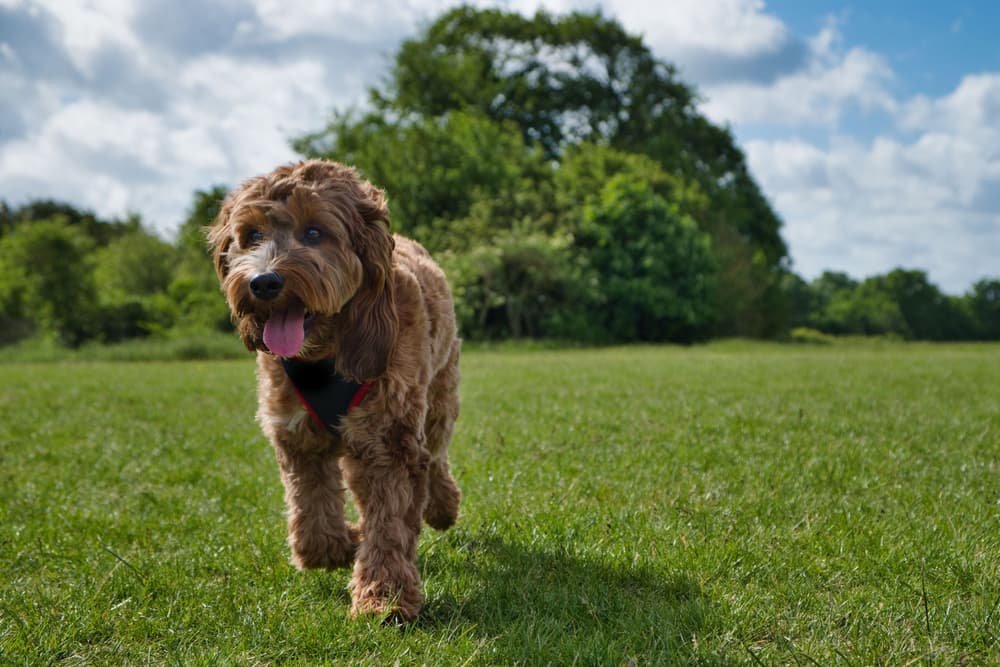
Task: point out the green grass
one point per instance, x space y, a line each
730 504
176 346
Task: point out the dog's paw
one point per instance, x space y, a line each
440 518
442 505
394 609
396 599
331 553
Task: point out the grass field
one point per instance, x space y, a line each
719 505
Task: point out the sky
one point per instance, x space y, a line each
873 128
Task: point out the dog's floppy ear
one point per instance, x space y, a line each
368 322
220 237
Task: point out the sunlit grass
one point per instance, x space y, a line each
728 504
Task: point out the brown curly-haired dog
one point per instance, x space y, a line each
311 272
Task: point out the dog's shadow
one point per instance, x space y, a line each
540 606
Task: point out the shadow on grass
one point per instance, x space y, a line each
537 606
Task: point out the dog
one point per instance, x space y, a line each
357 370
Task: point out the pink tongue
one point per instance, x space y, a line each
284 332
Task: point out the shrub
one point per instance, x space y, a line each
810 336
519 286
653 264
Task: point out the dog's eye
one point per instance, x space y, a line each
312 235
255 236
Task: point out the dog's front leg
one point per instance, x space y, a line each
314 494
389 483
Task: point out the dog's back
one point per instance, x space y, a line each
411 262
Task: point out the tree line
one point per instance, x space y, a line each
561 174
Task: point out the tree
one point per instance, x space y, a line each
800 299
653 264
560 83
572 79
902 302
45 269
434 169
193 294
192 247
8 219
984 304
135 264
519 285
866 310
929 314
585 168
828 288
131 275
101 232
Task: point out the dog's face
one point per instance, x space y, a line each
304 257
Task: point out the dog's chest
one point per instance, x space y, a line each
326 396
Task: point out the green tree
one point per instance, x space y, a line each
902 302
984 304
193 294
560 83
101 232
434 168
929 314
578 78
841 305
136 264
830 287
8 219
653 264
866 310
131 275
192 248
585 168
519 285
46 277
800 299
746 297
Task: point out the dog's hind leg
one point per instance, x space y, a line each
314 494
442 411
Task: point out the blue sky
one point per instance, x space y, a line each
872 127
930 45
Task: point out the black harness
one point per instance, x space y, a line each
324 392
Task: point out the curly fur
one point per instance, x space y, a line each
380 306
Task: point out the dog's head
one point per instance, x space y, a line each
304 257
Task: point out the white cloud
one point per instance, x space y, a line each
343 20
89 28
685 31
142 135
228 120
828 84
925 194
931 202
706 39
973 107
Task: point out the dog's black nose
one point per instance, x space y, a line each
266 286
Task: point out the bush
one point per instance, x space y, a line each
128 318
810 336
46 277
519 286
653 264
